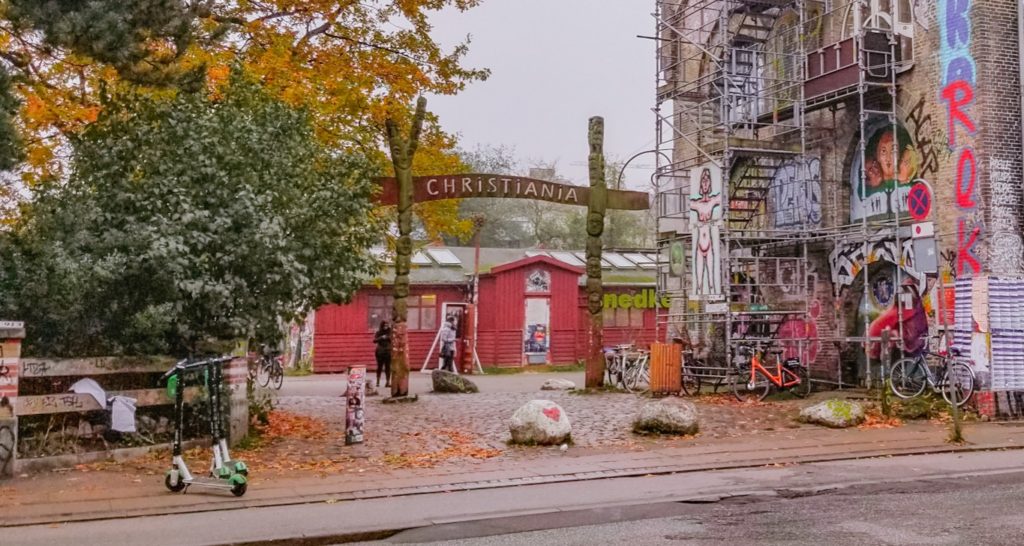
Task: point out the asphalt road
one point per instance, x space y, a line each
972 510
929 499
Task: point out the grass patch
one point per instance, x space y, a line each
297 372
926 406
552 368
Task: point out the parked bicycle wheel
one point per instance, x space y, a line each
747 389
638 376
691 381
277 375
264 371
959 378
803 390
908 377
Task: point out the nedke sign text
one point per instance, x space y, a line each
645 299
468 186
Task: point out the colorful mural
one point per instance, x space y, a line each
958 81
705 224
892 164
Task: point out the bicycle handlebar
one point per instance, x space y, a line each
183 365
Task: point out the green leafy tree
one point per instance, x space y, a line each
188 219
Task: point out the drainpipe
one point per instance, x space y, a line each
1020 61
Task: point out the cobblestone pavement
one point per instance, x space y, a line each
600 422
437 434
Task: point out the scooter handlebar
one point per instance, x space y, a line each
183 365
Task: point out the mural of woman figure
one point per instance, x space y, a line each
705 210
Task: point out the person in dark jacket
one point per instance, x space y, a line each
383 353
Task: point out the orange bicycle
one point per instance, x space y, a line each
759 370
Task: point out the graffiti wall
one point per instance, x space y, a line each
794 198
958 71
706 222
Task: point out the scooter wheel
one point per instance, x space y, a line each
174 487
239 489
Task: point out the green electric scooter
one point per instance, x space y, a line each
223 466
178 477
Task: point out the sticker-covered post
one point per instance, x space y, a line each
355 408
11 334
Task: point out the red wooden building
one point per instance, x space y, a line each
532 307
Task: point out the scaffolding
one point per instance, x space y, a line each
740 208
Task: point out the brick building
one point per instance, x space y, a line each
808 141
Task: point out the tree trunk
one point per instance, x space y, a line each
595 227
402 151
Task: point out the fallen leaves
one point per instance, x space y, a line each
285 424
874 419
462 445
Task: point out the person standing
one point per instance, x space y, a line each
383 353
448 345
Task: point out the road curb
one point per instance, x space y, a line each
495 484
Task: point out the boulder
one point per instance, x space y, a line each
667 416
558 385
834 413
450 382
540 422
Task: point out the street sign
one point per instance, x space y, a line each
919 201
922 230
926 257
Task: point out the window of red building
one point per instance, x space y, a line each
422 311
379 309
624 318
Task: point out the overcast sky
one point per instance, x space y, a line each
554 64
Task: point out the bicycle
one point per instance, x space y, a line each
790 374
909 376
267 370
627 368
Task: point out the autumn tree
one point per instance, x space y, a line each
187 219
351 65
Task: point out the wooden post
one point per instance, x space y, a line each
402 151
596 206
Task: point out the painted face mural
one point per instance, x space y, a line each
891 164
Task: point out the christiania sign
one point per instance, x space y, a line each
466 186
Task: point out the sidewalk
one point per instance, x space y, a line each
23 506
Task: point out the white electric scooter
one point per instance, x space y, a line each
178 477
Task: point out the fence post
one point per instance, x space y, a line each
238 401
11 334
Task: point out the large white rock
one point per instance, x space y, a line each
558 385
540 422
667 416
834 413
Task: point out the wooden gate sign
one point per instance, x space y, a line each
466 186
